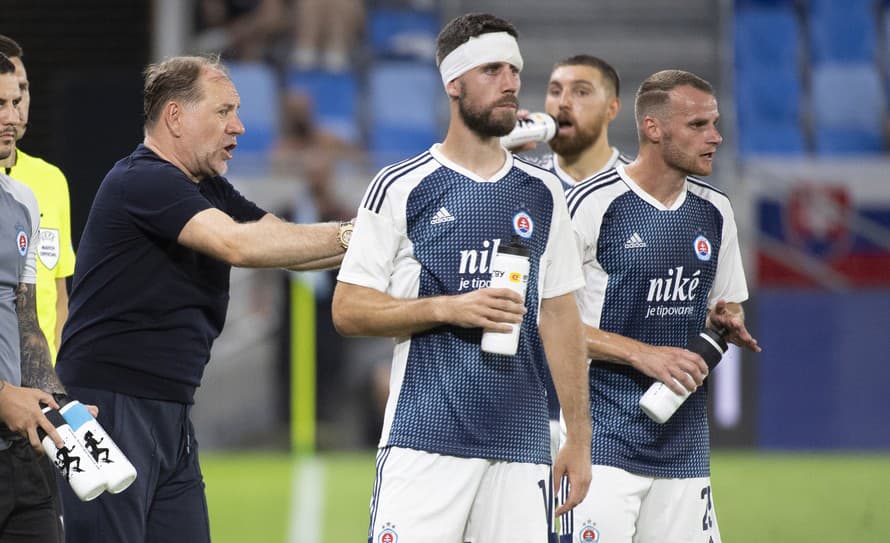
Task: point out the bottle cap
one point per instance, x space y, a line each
715 338
514 248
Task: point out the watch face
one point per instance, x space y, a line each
345 234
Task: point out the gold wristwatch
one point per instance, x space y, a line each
344 233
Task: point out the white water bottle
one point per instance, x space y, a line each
660 402
535 127
72 460
116 469
509 269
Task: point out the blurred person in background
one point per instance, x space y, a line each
55 254
239 29
325 32
661 258
28 509
464 453
150 295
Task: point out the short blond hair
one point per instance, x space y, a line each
654 93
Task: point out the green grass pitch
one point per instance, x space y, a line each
768 498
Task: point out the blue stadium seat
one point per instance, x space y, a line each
404 100
405 92
390 143
835 141
402 34
886 22
849 108
767 36
842 31
769 137
746 4
335 97
768 93
260 106
848 96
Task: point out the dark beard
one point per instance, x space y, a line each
482 122
575 145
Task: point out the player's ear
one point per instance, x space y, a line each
652 129
613 108
453 88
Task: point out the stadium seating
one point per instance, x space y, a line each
767 36
768 105
848 96
402 34
765 137
849 108
259 111
769 93
838 141
768 86
780 46
335 97
404 100
842 31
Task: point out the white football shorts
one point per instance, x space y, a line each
621 507
422 497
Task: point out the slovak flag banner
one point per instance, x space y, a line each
823 225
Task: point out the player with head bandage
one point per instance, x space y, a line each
464 454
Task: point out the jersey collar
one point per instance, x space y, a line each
645 196
568 179
435 150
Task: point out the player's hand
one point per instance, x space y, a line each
722 318
20 409
680 370
523 114
486 308
573 462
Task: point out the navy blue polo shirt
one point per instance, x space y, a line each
144 310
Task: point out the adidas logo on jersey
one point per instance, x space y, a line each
634 242
442 216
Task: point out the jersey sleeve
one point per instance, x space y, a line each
240 208
372 252
563 266
586 223
729 282
162 200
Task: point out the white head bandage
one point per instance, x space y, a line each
482 49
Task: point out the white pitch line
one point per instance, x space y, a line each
307 501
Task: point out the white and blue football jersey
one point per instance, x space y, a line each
652 273
428 227
551 164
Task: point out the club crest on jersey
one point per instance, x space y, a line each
21 241
523 224
702 248
388 535
588 534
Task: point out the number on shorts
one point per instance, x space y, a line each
707 522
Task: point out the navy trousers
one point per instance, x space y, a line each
166 503
27 487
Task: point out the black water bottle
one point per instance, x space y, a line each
660 402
